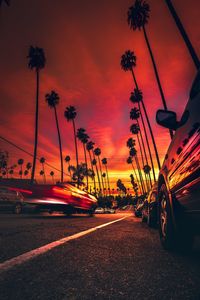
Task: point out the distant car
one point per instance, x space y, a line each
11 200
65 198
109 210
149 209
179 177
99 210
138 208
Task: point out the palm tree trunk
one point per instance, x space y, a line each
86 165
36 126
108 179
183 34
138 181
142 157
60 144
93 171
101 174
97 173
150 129
140 174
156 74
144 150
76 148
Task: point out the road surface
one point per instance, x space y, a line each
59 257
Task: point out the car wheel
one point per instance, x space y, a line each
17 209
171 237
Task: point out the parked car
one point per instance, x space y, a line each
149 209
11 200
99 210
179 177
138 207
60 197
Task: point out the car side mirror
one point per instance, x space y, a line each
167 119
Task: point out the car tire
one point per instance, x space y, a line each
17 209
173 238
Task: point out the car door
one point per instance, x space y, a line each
184 154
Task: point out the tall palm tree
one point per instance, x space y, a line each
138 15
70 114
183 34
42 161
94 162
128 62
53 100
97 152
28 166
90 147
20 163
37 61
67 159
83 138
7 2
105 162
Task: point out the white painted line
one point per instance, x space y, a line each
8 264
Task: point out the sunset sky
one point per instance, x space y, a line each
83 43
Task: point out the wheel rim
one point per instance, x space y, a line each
163 215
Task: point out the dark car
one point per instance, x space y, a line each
179 177
138 207
149 209
61 197
11 200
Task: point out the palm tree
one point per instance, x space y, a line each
138 16
133 153
183 34
11 172
70 114
42 161
97 152
90 147
28 166
7 2
67 159
37 61
94 162
128 62
83 138
20 163
53 100
130 162
104 162
25 173
52 175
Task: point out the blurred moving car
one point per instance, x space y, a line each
149 209
11 200
179 177
60 197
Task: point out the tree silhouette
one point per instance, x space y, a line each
97 152
83 138
105 162
52 176
128 62
90 147
37 61
42 161
130 162
183 34
70 114
133 153
53 100
138 16
67 159
20 163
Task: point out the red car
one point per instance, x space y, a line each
61 197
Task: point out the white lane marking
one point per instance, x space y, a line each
8 264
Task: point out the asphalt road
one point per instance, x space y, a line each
123 260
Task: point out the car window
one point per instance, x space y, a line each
195 87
